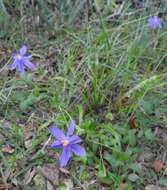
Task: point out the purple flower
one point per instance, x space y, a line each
69 143
154 22
21 60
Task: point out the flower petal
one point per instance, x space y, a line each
14 54
78 150
71 128
28 56
21 68
65 156
23 50
13 65
57 133
30 65
74 139
56 144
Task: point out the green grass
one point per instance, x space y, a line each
102 73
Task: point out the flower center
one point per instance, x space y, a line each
65 142
18 56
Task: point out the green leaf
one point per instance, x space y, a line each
163 182
101 174
136 167
132 138
149 134
24 105
109 116
113 161
122 156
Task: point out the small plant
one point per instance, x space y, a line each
103 61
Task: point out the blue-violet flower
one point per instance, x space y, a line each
21 60
154 22
69 143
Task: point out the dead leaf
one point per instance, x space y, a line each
63 170
8 149
28 144
28 133
132 122
29 176
4 72
133 177
7 173
157 165
39 181
50 172
5 186
125 101
69 184
49 186
147 155
14 181
6 125
51 53
152 187
2 138
123 185
86 109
